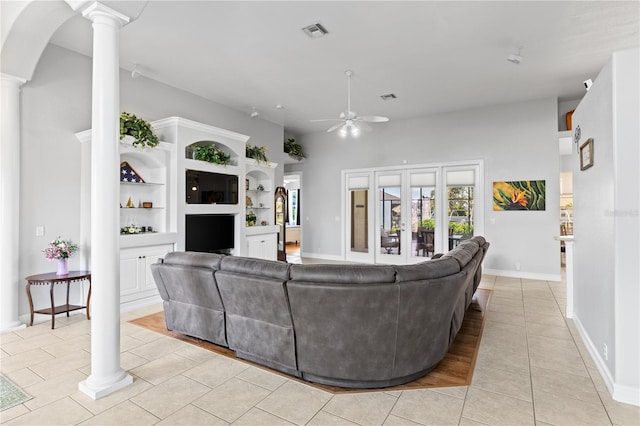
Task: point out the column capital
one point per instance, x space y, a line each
94 10
12 79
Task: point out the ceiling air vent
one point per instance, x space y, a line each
388 97
315 30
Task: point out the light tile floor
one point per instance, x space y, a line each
532 368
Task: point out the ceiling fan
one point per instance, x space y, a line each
349 122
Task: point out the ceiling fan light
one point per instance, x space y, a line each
343 131
355 131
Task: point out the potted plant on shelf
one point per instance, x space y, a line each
251 218
211 154
258 153
293 149
139 129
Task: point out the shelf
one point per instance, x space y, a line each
141 208
259 208
141 183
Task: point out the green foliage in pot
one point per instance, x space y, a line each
139 129
258 153
428 224
251 218
293 149
211 154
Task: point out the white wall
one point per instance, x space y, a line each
516 141
55 104
606 229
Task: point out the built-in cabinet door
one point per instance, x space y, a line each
262 246
136 280
129 272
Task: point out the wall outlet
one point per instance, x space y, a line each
517 266
39 231
605 352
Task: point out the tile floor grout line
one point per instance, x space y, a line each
526 334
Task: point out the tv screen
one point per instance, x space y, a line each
209 233
211 188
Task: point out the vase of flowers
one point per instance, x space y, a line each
60 250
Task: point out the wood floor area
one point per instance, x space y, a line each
456 369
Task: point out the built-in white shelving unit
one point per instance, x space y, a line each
171 192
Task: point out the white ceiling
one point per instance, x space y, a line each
434 56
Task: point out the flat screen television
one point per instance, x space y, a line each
209 233
211 188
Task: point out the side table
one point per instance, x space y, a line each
52 279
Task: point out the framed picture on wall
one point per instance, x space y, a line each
586 154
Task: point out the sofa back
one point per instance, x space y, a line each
259 325
191 300
346 319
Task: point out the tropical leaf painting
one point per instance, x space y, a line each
519 195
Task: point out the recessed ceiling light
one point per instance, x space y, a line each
279 106
315 30
388 96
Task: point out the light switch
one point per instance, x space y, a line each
492 221
39 231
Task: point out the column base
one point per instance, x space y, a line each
12 327
97 392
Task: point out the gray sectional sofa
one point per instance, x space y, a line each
360 326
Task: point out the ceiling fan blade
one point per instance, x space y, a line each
335 126
326 119
374 118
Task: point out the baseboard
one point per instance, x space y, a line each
140 303
621 393
336 258
522 274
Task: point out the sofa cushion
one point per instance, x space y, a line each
343 274
257 267
191 259
464 252
430 269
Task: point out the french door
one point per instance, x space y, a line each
400 216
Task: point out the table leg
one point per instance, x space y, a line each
30 302
89 299
53 308
68 285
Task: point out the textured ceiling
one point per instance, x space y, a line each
435 56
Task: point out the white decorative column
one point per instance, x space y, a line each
106 374
9 202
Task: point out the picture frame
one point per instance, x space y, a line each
586 154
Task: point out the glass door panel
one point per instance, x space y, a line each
359 217
390 220
423 213
460 209
359 238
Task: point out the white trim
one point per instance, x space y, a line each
626 394
320 256
621 393
140 303
522 274
595 354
